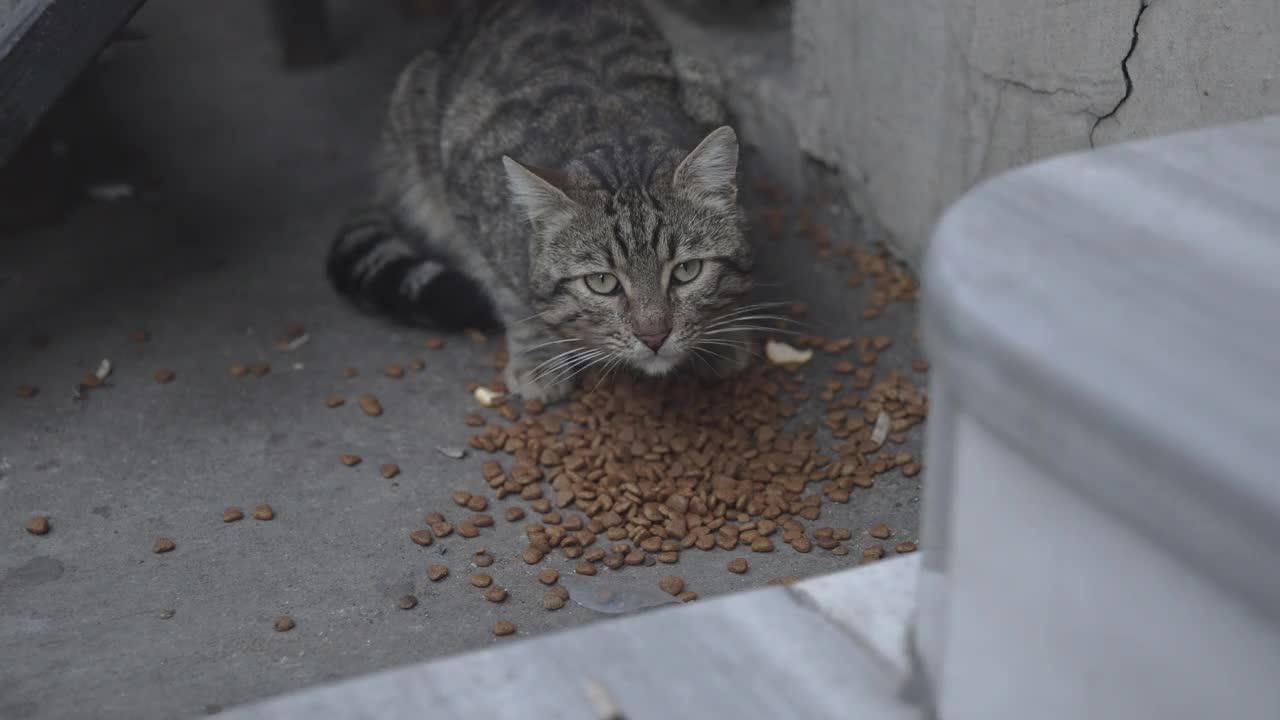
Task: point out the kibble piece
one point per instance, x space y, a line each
350 460
38 525
239 370
467 530
905 547
162 545
442 529
482 559
433 517
671 584
874 552
263 512
551 601
334 401
394 371
27 392
548 576
408 602
232 514
284 623
370 405
687 596
481 520
417 364
421 537
840 550
503 628
514 514
879 531
350 372
164 377
481 581
532 556
802 544
496 594
436 573
920 365
844 367
762 545
434 343
911 469
614 562
585 568
669 557
477 503
389 470
738 565
260 369
594 555
461 498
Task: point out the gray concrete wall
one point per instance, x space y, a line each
917 101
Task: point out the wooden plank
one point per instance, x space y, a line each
759 654
44 47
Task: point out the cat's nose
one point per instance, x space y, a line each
654 341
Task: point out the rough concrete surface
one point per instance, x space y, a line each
918 102
244 172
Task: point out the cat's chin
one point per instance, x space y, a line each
655 365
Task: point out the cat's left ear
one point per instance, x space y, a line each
710 173
545 205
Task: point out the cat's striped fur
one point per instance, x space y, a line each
552 166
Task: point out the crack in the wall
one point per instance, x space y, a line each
1124 68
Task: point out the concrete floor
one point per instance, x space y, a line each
244 173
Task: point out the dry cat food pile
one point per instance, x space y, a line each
636 472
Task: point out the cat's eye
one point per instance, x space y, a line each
686 271
601 283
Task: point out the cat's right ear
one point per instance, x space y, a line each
545 205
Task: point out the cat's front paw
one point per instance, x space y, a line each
523 381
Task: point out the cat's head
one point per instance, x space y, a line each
644 274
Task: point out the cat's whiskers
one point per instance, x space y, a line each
557 372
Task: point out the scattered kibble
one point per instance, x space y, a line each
671 584
481 581
334 401
232 514
38 525
422 537
496 594
503 628
284 623
162 545
263 511
408 602
389 470
350 460
370 405
436 573
738 565
164 377
548 576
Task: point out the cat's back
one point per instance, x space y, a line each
534 78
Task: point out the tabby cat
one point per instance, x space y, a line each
556 170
